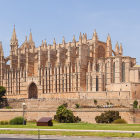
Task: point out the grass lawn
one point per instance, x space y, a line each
84 126
94 134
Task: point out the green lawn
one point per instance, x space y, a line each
84 126
93 134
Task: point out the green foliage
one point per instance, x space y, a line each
108 117
77 105
16 121
9 107
95 101
98 106
135 103
107 103
6 122
64 115
139 106
76 119
2 93
65 105
120 121
2 122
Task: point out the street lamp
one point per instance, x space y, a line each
23 112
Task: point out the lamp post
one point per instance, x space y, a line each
23 112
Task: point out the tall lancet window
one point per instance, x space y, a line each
63 83
106 73
97 67
91 82
123 71
87 83
96 83
114 72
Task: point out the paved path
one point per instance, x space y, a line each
35 137
72 130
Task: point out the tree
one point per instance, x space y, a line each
135 104
64 115
2 93
60 112
108 117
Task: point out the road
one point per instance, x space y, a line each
30 137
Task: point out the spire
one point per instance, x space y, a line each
73 38
30 37
14 37
54 41
45 45
95 37
108 41
63 42
42 44
117 48
121 49
1 49
80 39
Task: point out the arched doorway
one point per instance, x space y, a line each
32 91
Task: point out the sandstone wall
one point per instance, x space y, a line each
87 115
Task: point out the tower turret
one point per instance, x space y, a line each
14 41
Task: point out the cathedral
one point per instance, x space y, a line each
88 69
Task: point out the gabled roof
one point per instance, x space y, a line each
45 119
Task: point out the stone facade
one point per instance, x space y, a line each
77 69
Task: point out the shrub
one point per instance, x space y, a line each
120 121
77 105
8 107
76 119
107 103
65 105
108 117
135 103
16 121
2 122
6 122
98 106
95 101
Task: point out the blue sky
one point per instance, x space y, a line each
49 19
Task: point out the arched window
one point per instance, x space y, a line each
106 73
101 52
123 71
96 83
114 72
97 67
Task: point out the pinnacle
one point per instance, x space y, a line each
14 38
30 38
54 41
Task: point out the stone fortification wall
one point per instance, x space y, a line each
55 102
87 115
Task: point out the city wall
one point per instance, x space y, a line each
87 115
